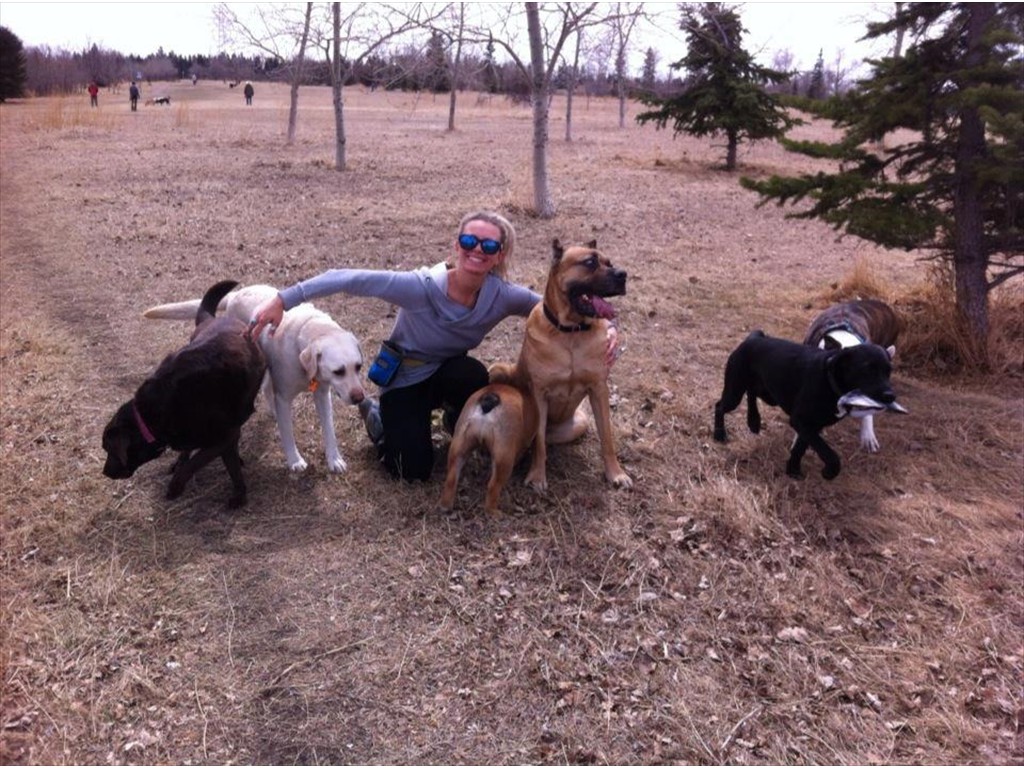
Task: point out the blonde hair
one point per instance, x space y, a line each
508 236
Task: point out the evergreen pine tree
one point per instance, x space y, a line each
491 79
956 186
724 93
649 74
438 77
816 87
13 69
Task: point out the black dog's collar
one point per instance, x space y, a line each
844 325
564 328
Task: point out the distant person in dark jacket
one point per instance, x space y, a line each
248 91
133 95
94 95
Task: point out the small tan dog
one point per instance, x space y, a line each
499 419
539 399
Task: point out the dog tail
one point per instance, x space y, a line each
489 402
211 299
180 310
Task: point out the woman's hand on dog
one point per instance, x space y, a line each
614 350
268 315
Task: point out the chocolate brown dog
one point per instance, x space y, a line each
196 400
562 361
849 324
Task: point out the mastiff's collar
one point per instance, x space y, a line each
564 328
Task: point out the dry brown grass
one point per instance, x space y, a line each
718 613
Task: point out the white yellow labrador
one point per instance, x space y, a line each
309 352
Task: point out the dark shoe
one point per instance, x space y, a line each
449 420
369 409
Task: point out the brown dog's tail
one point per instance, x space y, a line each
208 306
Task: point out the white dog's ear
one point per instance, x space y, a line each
310 360
891 349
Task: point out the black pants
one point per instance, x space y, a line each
408 451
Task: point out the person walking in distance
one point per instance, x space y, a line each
133 96
94 94
248 91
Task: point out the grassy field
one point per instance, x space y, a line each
720 612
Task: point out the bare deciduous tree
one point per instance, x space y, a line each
275 30
623 21
300 60
549 27
353 37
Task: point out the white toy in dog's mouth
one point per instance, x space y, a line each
856 403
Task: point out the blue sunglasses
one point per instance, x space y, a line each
488 247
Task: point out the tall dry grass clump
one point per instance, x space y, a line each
181 115
935 340
60 114
861 282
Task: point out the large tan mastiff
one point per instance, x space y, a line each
562 361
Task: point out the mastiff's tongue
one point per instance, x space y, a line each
602 308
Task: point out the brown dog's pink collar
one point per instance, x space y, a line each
147 435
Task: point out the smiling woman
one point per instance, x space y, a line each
444 312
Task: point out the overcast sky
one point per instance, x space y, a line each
187 28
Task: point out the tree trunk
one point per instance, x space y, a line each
542 203
451 109
572 89
456 68
730 151
337 76
620 82
293 109
969 258
897 47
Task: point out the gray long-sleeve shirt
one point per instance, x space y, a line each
430 327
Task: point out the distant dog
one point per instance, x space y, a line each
196 400
309 352
851 323
499 419
562 361
814 387
165 100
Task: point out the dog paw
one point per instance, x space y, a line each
237 500
298 465
336 465
830 472
794 472
870 445
621 480
538 484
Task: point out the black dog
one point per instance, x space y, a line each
196 400
852 323
812 386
